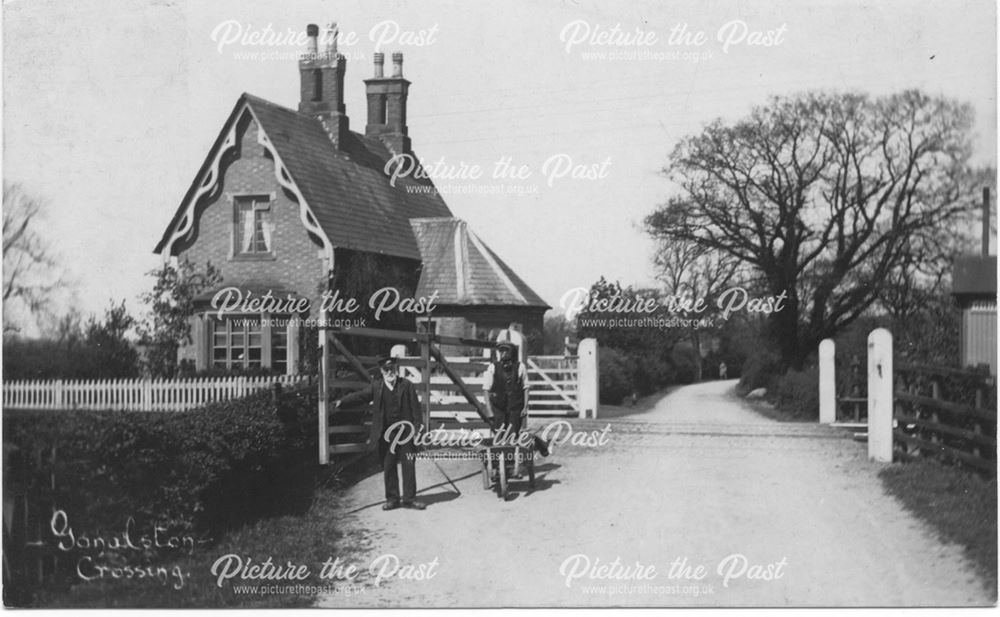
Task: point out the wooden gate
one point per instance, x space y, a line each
554 383
29 561
448 388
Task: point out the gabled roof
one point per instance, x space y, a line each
345 188
463 270
348 192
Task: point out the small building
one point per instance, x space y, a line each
293 203
974 286
477 293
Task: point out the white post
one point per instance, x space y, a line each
827 383
292 346
880 403
322 376
587 377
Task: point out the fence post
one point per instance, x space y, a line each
147 394
587 377
880 403
827 382
58 402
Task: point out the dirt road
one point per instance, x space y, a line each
701 501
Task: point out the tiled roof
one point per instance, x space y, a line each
463 270
347 188
349 193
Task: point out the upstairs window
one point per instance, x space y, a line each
252 235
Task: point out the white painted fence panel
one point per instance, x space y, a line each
135 394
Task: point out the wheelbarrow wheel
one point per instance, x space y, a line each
486 472
502 480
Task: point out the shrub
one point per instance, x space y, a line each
760 370
616 376
685 360
650 373
797 393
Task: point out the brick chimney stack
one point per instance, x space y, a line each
387 105
321 76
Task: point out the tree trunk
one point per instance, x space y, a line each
785 329
696 341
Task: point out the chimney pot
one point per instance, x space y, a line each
321 84
331 43
312 48
379 62
397 64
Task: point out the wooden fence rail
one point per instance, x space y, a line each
135 394
946 413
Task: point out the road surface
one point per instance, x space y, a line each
697 502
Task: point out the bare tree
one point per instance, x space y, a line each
30 274
689 271
824 196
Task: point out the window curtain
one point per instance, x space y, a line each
265 224
246 224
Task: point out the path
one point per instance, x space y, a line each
699 480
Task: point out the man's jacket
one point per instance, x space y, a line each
409 406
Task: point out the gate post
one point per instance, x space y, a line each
827 382
880 403
324 366
587 377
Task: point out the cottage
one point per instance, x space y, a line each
295 206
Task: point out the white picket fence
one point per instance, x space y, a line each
135 394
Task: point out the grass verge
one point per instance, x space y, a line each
960 506
308 539
770 410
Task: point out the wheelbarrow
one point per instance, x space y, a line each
500 463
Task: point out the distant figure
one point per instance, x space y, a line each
723 371
633 399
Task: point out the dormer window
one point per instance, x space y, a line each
253 227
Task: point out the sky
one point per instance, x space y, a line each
110 107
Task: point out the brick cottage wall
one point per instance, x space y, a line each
296 265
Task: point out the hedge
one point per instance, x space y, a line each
199 471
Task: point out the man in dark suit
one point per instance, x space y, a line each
393 399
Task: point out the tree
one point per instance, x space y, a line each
642 348
99 350
923 277
689 271
171 303
30 274
824 196
111 354
555 330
